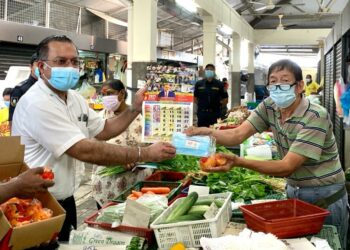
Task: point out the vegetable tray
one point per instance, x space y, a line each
146 233
170 176
285 219
190 232
175 189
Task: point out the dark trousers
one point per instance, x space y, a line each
71 218
207 118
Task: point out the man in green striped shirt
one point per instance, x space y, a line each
306 145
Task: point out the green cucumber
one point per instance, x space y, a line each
206 202
186 217
219 203
182 207
200 210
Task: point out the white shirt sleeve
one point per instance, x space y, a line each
51 128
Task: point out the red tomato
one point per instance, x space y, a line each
48 174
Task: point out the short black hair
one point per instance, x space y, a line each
43 47
308 75
210 65
287 65
116 85
34 58
7 91
224 79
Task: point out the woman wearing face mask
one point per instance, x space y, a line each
308 153
106 188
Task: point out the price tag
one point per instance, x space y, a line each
211 212
136 214
201 190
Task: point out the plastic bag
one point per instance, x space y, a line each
200 146
86 90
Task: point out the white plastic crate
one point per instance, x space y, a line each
190 232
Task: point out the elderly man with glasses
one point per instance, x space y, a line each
59 129
303 132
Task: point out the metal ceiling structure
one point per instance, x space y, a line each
186 27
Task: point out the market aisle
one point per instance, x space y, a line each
86 205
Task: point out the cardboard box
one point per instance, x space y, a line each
31 235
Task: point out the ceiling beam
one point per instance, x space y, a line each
259 18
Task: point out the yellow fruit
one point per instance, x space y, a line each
178 246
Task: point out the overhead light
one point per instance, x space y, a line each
189 5
225 29
300 50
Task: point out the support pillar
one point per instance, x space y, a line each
251 81
322 66
235 71
130 51
144 40
209 40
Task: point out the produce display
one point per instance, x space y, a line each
236 116
149 190
20 212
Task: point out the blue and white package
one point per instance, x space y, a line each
201 146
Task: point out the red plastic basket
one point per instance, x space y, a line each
170 176
146 233
285 218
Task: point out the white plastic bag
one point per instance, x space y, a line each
86 90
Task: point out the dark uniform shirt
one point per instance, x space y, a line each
18 92
209 95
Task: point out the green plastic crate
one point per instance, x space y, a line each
175 189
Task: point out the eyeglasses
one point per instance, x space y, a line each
283 87
65 61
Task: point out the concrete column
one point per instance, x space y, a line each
130 50
144 38
251 51
235 69
209 39
322 66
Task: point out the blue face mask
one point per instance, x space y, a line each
7 103
37 72
209 73
63 78
283 98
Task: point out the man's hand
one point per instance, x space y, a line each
231 160
30 182
139 96
198 131
158 152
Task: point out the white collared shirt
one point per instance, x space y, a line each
49 127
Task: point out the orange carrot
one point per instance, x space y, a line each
149 192
137 193
156 190
132 197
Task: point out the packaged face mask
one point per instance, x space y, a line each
200 146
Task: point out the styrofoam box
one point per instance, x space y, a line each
190 232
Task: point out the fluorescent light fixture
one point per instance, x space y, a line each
225 29
300 50
189 5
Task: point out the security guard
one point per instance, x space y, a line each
209 95
23 87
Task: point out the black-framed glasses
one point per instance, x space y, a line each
61 61
283 87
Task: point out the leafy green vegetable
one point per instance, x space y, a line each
110 171
243 183
135 244
180 163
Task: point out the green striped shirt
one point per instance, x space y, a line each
308 132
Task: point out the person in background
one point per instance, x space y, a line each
23 87
311 87
6 98
210 96
59 129
303 131
25 185
225 82
224 108
106 188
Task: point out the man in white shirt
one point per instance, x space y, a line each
58 128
